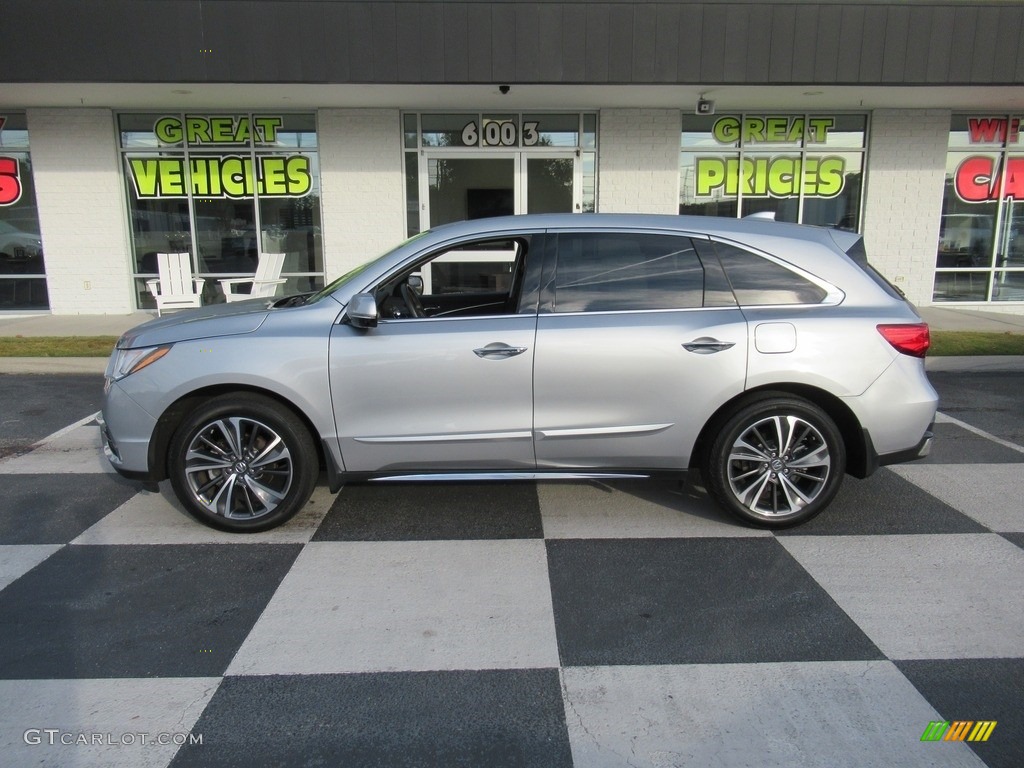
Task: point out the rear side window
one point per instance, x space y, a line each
860 258
605 272
756 281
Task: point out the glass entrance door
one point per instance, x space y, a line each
459 187
462 188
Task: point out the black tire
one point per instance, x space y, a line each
242 462
747 473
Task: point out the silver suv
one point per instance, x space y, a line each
769 356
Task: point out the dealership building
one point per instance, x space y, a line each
330 131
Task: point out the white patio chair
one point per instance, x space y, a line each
176 288
264 282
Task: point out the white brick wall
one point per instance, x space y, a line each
903 202
81 210
638 163
363 187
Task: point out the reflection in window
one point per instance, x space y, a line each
804 168
22 268
599 272
756 281
981 231
225 196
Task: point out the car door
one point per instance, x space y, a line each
441 392
638 343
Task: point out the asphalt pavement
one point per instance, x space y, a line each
561 624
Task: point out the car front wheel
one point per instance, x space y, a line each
243 462
776 462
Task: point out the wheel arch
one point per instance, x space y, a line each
859 453
173 415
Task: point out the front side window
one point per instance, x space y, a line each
477 279
22 271
757 281
608 272
225 187
804 168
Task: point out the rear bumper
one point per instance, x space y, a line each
874 460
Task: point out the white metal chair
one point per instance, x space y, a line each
264 282
176 288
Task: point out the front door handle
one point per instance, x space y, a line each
706 345
498 351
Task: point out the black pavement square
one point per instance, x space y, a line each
976 689
54 509
490 718
1016 538
885 503
433 511
693 601
137 611
955 445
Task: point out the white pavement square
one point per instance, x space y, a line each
654 508
939 596
406 606
850 714
78 451
992 494
18 559
110 723
159 518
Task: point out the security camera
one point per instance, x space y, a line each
504 88
705 107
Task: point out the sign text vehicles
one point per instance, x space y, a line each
221 176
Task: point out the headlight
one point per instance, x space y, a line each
125 362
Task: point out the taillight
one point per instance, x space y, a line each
909 339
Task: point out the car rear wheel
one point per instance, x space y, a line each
243 462
776 462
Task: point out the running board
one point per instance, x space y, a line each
487 476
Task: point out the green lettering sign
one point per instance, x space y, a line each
775 176
221 176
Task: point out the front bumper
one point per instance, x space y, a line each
126 429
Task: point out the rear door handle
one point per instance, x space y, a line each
706 345
498 351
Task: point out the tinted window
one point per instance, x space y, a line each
600 272
758 281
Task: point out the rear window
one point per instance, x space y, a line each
756 281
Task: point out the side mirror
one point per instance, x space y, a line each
362 311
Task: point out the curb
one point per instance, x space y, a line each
53 365
975 364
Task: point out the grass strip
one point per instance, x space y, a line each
56 346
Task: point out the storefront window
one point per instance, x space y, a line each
466 165
804 168
22 269
225 187
980 255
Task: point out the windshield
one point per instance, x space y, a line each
338 282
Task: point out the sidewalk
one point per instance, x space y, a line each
939 318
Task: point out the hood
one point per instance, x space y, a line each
202 323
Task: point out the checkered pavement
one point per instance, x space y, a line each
587 624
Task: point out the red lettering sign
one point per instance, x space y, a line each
978 179
989 130
10 181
